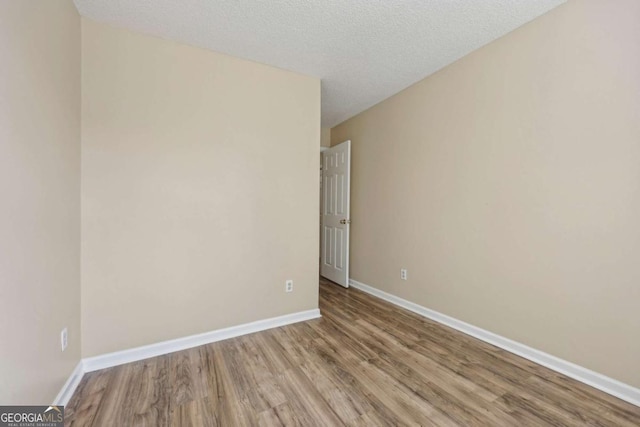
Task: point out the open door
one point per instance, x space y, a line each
336 169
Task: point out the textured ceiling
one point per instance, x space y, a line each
363 50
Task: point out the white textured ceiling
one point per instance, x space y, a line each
363 50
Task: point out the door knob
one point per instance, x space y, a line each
345 221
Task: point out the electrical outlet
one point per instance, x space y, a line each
288 286
403 274
63 339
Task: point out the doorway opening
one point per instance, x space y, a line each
335 221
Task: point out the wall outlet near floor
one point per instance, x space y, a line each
403 274
288 286
63 339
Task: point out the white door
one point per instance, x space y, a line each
334 258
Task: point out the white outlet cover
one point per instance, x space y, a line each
64 339
288 286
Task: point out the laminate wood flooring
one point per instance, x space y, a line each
364 363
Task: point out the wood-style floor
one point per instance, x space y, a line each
365 363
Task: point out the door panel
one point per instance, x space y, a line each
334 264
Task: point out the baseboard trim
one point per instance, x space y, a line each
601 382
139 353
70 386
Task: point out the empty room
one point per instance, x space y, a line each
319 213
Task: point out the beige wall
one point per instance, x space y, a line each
508 184
199 193
40 190
325 137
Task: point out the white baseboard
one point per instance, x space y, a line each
134 354
139 353
70 386
601 382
